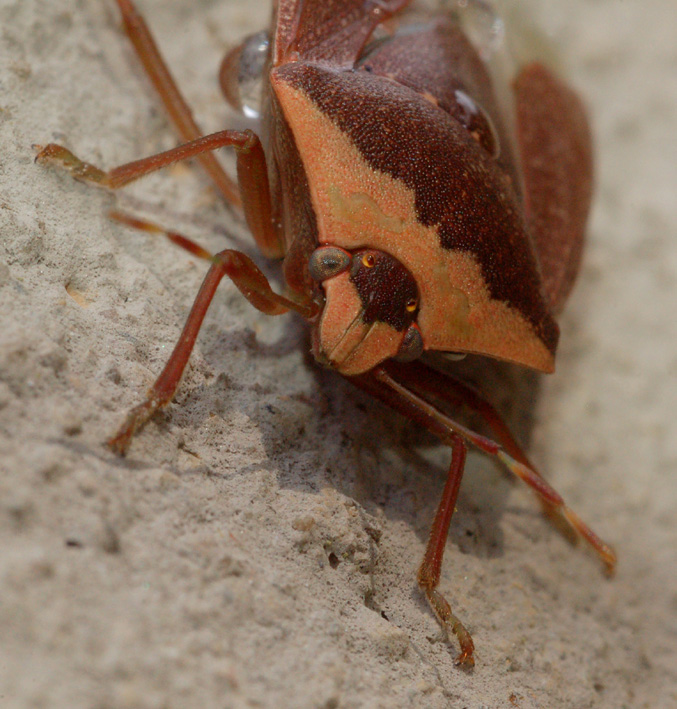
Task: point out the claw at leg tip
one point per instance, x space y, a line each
610 567
465 659
118 444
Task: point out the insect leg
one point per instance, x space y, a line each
124 174
379 384
458 393
385 382
176 106
143 225
253 285
429 572
420 377
252 175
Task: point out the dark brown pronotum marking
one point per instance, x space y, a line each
457 187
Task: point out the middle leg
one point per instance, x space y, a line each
252 174
417 376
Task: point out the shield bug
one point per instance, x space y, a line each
415 214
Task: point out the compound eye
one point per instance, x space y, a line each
328 261
412 345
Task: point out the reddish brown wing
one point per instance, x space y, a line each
328 30
437 60
557 162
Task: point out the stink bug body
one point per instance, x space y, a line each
414 216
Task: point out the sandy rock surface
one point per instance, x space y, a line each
258 546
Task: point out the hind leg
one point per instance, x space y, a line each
176 106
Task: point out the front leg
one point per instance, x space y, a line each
379 384
254 188
256 289
429 572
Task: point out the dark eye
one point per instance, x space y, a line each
411 305
369 260
327 261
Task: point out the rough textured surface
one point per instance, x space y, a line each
259 545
